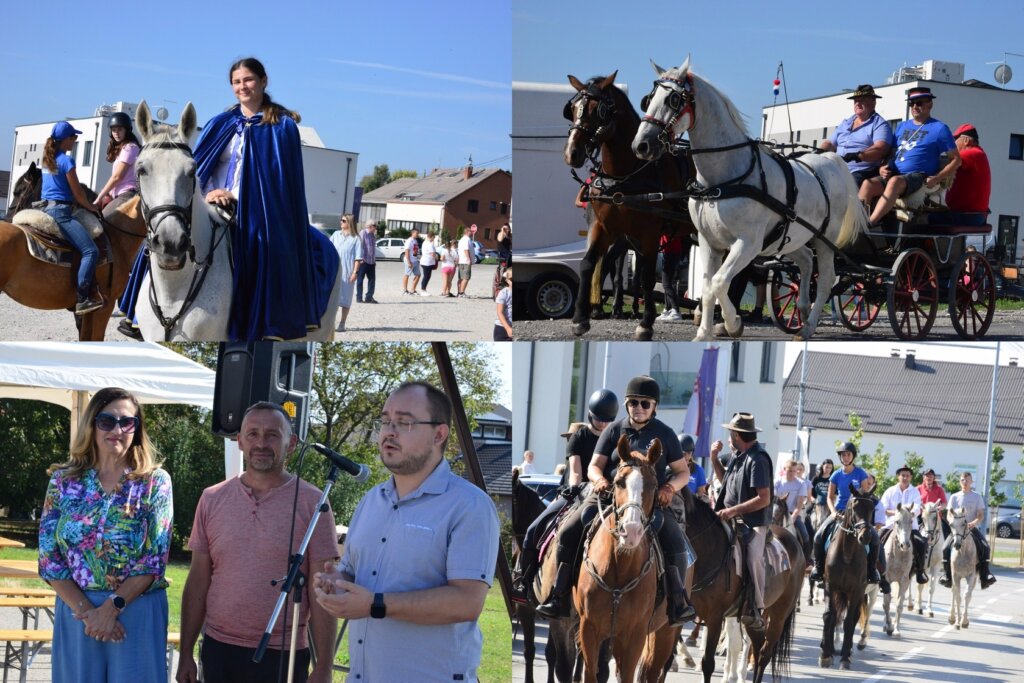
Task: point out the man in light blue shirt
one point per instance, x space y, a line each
863 140
420 555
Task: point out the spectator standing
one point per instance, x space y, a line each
368 268
503 323
350 252
411 258
428 262
465 251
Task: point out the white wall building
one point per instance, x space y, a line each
993 111
553 381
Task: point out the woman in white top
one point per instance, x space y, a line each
449 260
503 324
428 260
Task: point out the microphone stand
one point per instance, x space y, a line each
297 580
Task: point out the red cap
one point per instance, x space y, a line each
966 129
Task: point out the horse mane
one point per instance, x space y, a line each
737 117
164 132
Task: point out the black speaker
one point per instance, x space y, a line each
248 372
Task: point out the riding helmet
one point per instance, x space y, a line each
603 405
644 386
121 119
847 446
686 443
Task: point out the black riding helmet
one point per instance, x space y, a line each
847 446
603 406
121 119
643 386
686 443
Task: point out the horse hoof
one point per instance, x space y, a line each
642 333
797 609
825 662
965 624
691 642
958 627
845 665
598 315
690 663
580 329
931 613
897 634
861 646
952 620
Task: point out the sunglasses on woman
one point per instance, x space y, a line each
106 422
633 403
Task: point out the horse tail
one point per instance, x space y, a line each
784 649
855 220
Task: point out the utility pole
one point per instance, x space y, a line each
800 402
991 429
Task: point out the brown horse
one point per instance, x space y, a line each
717 590
526 506
616 595
40 285
603 119
27 189
846 575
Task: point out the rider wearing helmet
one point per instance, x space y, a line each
698 483
641 428
838 496
602 408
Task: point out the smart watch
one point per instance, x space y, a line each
119 602
377 609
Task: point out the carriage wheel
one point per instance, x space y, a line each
972 296
913 295
858 309
785 291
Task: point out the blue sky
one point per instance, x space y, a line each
825 46
412 85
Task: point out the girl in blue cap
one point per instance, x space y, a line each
61 190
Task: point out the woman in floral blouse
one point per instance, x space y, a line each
104 539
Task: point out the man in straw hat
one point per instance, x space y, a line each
863 140
746 496
920 142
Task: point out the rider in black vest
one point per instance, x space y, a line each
641 428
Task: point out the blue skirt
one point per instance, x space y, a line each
142 656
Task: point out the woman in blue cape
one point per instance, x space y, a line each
284 269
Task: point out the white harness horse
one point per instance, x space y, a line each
187 294
963 560
750 204
899 556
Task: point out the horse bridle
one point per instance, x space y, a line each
605 115
153 216
680 101
956 534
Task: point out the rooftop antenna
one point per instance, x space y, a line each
1003 72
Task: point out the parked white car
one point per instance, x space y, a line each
390 248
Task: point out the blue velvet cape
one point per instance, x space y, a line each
284 269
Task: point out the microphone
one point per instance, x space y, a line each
360 472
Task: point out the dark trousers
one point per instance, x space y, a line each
223 663
427 270
529 556
668 279
368 271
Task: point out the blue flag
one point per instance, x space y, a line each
706 401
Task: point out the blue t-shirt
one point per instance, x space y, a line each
842 483
697 478
55 185
847 140
918 147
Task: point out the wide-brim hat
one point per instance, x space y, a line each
864 90
741 422
919 93
905 468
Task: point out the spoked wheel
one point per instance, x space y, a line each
913 295
785 292
972 296
859 306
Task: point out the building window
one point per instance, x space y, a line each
1006 239
767 362
487 233
87 154
1017 146
504 209
494 432
494 206
473 206
736 366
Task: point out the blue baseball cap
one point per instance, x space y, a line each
62 130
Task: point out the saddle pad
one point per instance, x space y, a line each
41 222
776 559
44 247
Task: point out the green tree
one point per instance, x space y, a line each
36 435
381 176
876 463
402 173
996 474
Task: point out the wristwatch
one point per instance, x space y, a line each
119 602
378 609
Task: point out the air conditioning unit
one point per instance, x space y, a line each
945 72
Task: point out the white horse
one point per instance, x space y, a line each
733 226
187 294
899 556
931 529
963 562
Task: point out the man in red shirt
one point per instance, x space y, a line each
932 492
973 183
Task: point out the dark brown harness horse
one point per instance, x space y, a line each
603 120
717 589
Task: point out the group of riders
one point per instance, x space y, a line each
744 497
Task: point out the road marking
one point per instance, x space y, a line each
909 654
943 631
878 677
1002 618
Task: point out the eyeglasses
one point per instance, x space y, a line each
920 104
633 403
106 422
401 426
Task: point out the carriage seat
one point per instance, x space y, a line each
925 199
41 222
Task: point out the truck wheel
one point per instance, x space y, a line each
551 296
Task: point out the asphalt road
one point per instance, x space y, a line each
395 318
991 650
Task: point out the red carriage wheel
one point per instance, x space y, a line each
785 291
972 296
913 295
858 309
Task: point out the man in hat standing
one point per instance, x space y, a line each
746 494
920 142
902 492
973 183
863 140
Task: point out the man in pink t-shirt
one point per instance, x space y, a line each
239 544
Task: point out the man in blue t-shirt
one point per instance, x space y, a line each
838 496
919 144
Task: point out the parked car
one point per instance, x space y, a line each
478 251
390 247
1008 524
546 485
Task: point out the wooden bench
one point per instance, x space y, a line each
30 608
31 640
13 591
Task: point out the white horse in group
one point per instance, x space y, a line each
963 561
899 557
187 294
732 225
931 529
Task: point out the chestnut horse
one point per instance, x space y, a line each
603 119
617 592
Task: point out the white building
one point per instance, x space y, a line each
553 381
330 174
993 111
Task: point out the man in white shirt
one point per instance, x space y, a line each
465 250
903 492
411 257
974 507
